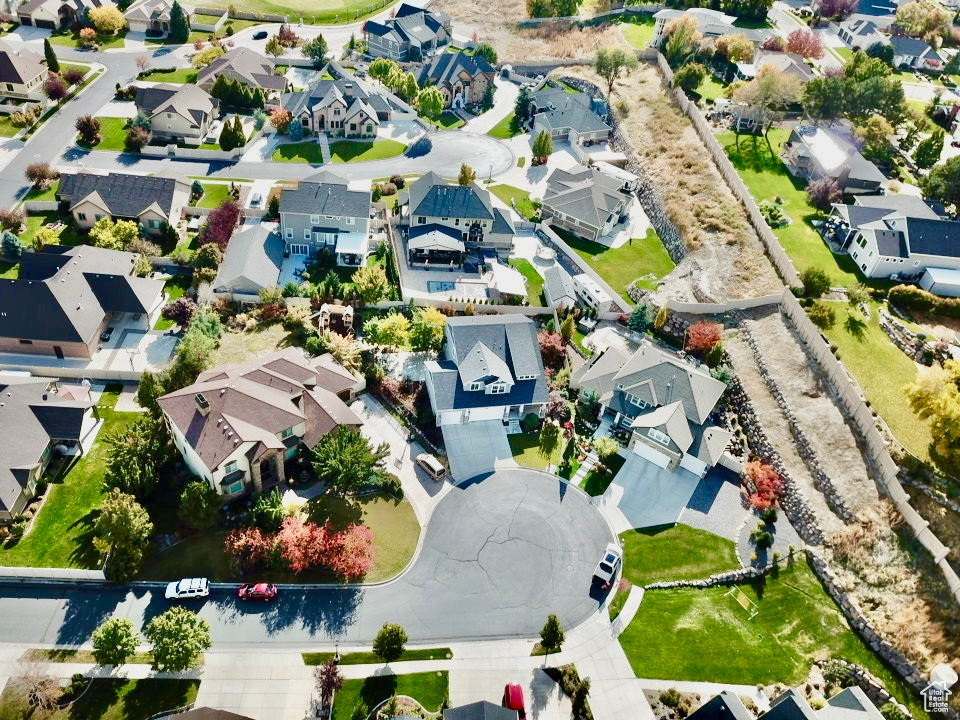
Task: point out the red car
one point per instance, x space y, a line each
257 591
513 699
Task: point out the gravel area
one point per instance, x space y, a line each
716 506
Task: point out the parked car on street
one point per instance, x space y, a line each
513 699
257 591
608 566
188 588
260 35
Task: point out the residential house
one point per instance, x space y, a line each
462 78
860 31
788 63
915 54
250 264
491 369
710 23
22 73
481 710
178 112
339 108
411 35
814 153
574 117
558 288
323 213
467 210
586 201
248 68
153 202
435 245
56 14
74 294
664 401
894 236
850 703
153 16
39 420
237 424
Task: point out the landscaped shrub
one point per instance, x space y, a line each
768 485
909 297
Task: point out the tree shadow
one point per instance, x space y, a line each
84 611
324 612
339 511
855 326
97 700
421 147
84 554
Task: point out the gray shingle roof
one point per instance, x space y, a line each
252 260
725 706
502 223
432 196
252 67
790 706
19 66
903 45
933 237
558 286
125 196
327 197
188 101
446 67
561 110
586 194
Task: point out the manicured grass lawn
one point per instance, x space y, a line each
9 270
844 52
395 534
882 370
506 128
113 133
616 605
68 234
180 75
446 121
61 532
307 151
510 194
711 88
368 658
641 258
175 287
346 151
766 176
6 127
713 639
596 483
214 195
674 552
429 688
48 193
638 33
526 451
534 281
110 699
107 42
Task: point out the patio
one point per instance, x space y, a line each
292 269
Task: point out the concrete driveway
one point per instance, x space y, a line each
543 697
652 495
476 448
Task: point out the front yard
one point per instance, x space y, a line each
6 127
510 195
507 128
306 151
526 451
347 151
109 699
214 195
675 552
72 39
184 76
429 688
113 131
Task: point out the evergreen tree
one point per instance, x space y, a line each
220 89
226 137
179 25
53 65
240 137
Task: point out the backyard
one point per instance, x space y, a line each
238 347
110 699
674 552
797 622
346 151
643 259
509 195
534 281
174 288
638 32
66 233
429 688
60 533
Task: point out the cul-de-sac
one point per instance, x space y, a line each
458 360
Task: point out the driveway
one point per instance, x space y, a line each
651 495
476 448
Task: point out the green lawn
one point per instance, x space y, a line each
347 151
596 483
67 233
639 32
510 194
9 270
369 658
844 52
70 39
6 127
616 605
61 533
447 120
322 12
175 287
64 655
711 637
186 76
429 688
766 177
526 451
395 534
674 552
110 699
113 131
534 281
506 128
640 258
307 151
882 370
711 88
214 195
48 193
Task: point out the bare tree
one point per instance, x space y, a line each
40 689
143 62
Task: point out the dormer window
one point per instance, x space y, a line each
476 386
498 389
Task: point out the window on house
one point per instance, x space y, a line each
353 126
81 216
634 400
235 488
476 386
421 220
349 220
26 342
286 433
336 112
306 233
369 128
314 219
456 221
498 389
230 467
658 436
289 234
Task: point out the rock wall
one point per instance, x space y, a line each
733 577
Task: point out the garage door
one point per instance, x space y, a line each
476 448
49 24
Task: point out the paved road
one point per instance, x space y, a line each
499 554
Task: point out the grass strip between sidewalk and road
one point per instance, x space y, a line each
370 658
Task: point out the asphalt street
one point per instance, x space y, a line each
500 554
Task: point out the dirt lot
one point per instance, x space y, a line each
727 258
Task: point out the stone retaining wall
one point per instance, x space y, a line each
732 577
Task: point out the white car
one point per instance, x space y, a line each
188 588
608 566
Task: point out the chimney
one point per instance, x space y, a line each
202 405
348 89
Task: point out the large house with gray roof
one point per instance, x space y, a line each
22 73
664 401
574 117
57 14
850 703
153 202
710 24
410 35
153 16
39 420
339 108
467 210
463 79
586 201
250 264
178 112
248 68
491 369
73 295
237 425
816 153
323 214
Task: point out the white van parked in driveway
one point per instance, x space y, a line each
432 466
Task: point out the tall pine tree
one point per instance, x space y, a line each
220 89
53 65
179 25
239 137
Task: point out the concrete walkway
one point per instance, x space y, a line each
504 103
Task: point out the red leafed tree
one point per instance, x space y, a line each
551 348
303 545
180 311
55 88
702 336
249 549
774 43
838 8
805 43
351 552
221 224
768 483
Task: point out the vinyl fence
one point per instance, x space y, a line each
591 19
